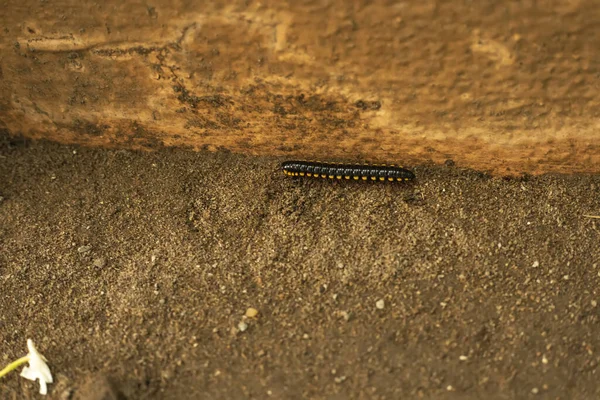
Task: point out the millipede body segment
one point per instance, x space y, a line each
390 173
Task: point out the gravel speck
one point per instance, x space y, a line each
251 312
380 304
242 326
84 249
345 315
99 262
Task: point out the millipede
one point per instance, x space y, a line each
366 172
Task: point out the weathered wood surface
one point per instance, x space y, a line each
508 87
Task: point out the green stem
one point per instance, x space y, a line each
14 365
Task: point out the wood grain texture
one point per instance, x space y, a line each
504 87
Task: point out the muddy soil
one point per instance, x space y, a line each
140 266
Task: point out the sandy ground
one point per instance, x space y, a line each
141 266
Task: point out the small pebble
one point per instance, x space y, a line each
536 264
242 326
544 360
449 163
449 388
535 390
99 262
305 336
345 315
84 249
380 304
251 312
339 379
594 303
463 358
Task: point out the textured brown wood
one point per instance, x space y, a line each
508 87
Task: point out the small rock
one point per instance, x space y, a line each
463 358
251 312
340 379
535 390
345 315
99 262
305 336
380 304
449 163
544 359
242 326
84 249
594 303
536 264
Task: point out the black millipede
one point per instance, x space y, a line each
355 172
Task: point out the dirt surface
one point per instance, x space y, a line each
501 86
141 266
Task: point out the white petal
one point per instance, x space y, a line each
43 387
37 363
28 373
37 369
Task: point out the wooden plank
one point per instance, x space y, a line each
504 87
